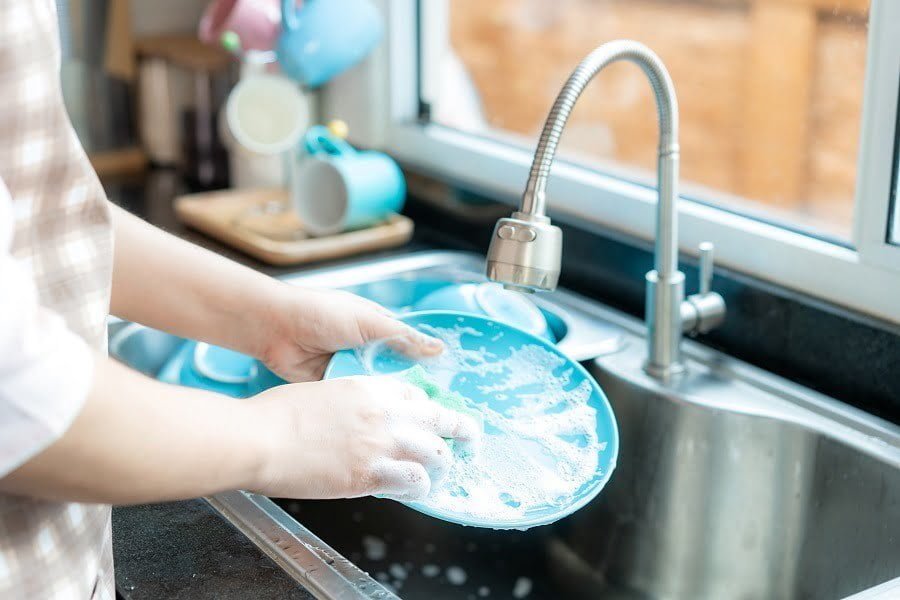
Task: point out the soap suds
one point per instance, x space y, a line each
540 444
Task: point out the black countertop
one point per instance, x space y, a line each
187 550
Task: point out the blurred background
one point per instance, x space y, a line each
134 72
770 92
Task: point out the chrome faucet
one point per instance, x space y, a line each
526 249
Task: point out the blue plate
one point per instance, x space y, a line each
499 340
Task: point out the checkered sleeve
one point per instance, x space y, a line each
45 368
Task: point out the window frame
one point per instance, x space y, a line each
878 158
380 101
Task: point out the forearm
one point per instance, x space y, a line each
169 284
138 440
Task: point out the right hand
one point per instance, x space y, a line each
355 436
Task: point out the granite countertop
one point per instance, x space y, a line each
186 549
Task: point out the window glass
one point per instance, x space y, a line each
770 93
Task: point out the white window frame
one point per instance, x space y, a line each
380 101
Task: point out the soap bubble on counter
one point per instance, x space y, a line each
397 571
540 444
456 575
521 588
374 547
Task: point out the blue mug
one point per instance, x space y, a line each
325 38
338 188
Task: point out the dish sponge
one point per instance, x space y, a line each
418 377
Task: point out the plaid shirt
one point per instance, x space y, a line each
61 241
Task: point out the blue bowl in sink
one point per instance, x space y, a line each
490 300
217 369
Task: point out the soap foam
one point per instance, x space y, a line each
540 444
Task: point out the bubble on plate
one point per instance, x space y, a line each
540 444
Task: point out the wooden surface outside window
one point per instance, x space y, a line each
770 91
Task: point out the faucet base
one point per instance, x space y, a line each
663 315
664 373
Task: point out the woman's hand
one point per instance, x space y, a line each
302 328
355 436
139 440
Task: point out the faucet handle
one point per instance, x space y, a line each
707 253
704 310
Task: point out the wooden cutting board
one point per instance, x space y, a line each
262 224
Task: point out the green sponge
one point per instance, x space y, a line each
446 398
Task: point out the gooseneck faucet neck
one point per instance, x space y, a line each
534 199
526 249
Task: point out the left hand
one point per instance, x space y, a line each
303 328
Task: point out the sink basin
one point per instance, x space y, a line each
734 484
731 483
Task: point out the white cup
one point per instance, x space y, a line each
264 118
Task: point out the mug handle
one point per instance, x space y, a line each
289 19
319 140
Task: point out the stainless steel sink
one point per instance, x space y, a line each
731 483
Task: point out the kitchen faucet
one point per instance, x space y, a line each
526 249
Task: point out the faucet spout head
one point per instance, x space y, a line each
525 253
